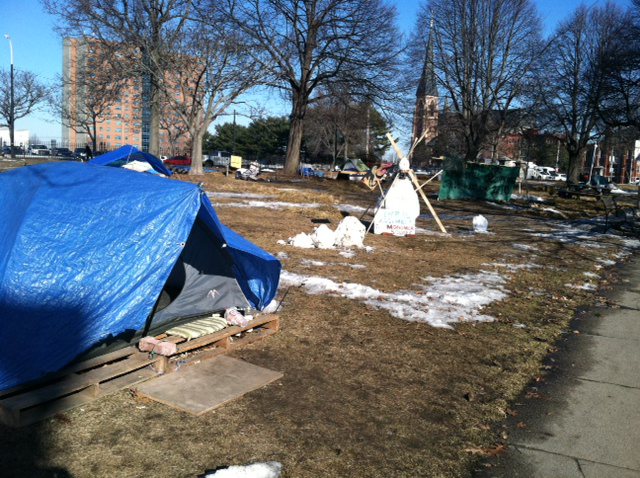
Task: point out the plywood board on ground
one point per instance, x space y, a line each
207 385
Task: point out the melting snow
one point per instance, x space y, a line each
268 205
221 195
442 302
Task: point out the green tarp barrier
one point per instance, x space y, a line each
479 181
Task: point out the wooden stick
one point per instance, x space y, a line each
431 179
433 212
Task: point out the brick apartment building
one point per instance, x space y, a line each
124 120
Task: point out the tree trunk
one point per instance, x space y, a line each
575 166
11 136
292 159
154 121
196 152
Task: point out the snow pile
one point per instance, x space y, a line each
440 303
480 224
301 240
349 233
270 469
323 237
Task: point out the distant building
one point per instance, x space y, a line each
125 121
20 138
425 116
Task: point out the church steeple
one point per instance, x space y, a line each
425 117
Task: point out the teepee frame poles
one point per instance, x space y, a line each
414 180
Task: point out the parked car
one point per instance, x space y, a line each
6 151
178 161
39 150
63 153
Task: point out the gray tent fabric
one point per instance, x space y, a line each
204 269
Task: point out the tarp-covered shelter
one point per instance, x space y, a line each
129 154
90 254
479 181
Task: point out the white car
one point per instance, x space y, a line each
39 150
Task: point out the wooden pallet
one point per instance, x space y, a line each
86 381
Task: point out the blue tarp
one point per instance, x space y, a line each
128 154
84 253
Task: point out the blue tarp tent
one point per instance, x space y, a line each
90 253
127 154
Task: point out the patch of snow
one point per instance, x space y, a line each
512 267
587 286
525 247
270 469
221 195
268 205
309 262
593 275
606 262
347 254
527 198
554 211
282 254
351 209
440 303
271 307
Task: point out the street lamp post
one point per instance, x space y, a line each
11 112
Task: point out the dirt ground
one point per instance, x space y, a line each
364 393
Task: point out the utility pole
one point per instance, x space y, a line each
12 106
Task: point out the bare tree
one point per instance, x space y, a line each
571 84
208 71
29 94
316 43
172 124
483 53
620 64
147 29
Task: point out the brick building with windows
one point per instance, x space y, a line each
120 111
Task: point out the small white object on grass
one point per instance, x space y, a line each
270 469
480 223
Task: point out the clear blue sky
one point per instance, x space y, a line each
38 49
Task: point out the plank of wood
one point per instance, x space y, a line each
75 382
73 368
207 385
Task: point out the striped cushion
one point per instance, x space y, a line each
198 328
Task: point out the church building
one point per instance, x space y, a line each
425 116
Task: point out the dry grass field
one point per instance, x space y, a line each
365 393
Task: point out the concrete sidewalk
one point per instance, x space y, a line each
586 421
